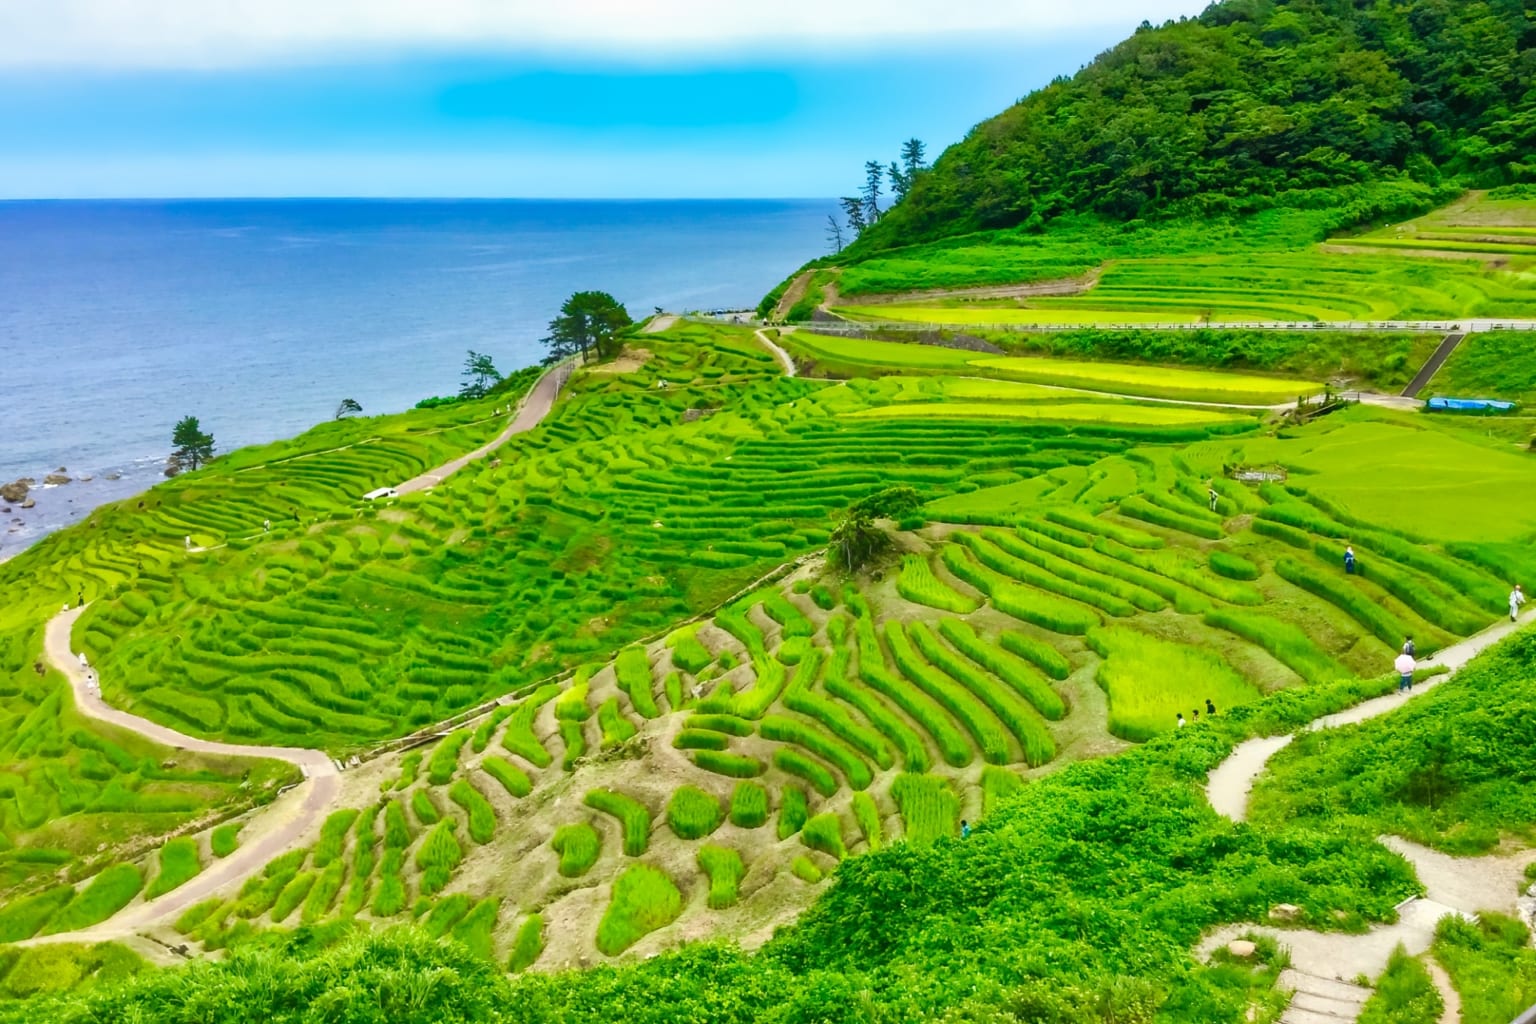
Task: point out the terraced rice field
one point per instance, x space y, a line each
680 747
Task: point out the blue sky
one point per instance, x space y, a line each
480 98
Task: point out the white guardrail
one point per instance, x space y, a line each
1435 326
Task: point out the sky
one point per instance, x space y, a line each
554 98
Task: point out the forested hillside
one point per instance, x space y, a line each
1253 103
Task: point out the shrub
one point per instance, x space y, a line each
725 870
783 729
749 805
918 584
179 862
482 818
633 817
528 944
806 870
1405 994
437 857
633 670
424 808
792 811
867 815
928 805
1234 567
617 728
445 757
824 832
578 846
644 899
225 839
103 896
21 919
333 836
733 766
513 778
1010 669
693 813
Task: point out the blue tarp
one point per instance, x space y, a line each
1470 404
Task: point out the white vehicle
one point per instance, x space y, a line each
382 492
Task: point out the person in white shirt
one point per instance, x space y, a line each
1516 599
1405 666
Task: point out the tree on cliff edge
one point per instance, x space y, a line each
193 447
588 322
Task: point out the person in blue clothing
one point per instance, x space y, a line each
1349 559
965 829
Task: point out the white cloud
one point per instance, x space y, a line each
223 33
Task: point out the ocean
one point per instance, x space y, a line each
259 316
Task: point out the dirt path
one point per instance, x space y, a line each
275 830
530 413
782 356
793 294
1060 286
657 324
1448 994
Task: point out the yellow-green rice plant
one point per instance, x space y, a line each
1286 643
783 611
918 584
722 723
519 737
574 738
482 734
725 870
293 894
425 808
1031 573
482 818
389 896
512 778
572 704
792 811
446 913
445 757
700 739
806 870
437 857
1023 603
103 896
1150 681
644 899
693 813
867 815
1355 603
749 805
806 767
1012 670
890 726
929 807
616 726
1077 565
22 918
323 895
528 944
998 783
1233 566
333 836
1180 565
578 846
1140 585
194 916
1281 532
732 766
687 653
783 729
927 712
1436 603
475 928
1012 709
672 685
633 671
632 814
1137 507
824 832
364 839
179 862
976 717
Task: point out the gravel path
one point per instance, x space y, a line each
779 353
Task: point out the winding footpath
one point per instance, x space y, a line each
778 352
1324 965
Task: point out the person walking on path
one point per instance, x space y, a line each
1210 492
1516 599
1405 666
1349 559
1210 709
1408 647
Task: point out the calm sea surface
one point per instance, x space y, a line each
118 318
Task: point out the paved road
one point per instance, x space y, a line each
530 413
782 356
276 830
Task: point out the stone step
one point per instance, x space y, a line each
1326 988
1339 1009
1296 1015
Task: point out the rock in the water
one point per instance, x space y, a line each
1242 948
28 503
1285 912
16 490
56 478
114 475
84 479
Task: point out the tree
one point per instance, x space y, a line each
479 374
348 407
193 447
588 322
834 233
913 153
853 206
855 541
899 181
873 174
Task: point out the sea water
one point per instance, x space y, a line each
259 317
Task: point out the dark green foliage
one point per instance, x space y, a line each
1490 964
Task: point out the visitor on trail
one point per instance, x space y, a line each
1197 714
1405 666
1180 717
80 601
189 542
1516 599
266 526
1349 559
1210 709
965 829
83 662
1408 647
1210 491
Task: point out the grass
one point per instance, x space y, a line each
512 778
528 944
792 811
333 837
733 766
437 857
805 869
225 839
1149 681
725 870
1289 644
1108 413
749 805
867 816
180 861
482 818
99 899
929 807
578 846
693 813
918 584
824 832
1405 994
24 917
1490 964
633 818
644 899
